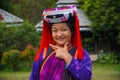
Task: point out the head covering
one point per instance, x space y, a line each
55 15
60 14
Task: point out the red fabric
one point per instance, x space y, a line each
47 38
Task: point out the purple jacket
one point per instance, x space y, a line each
76 70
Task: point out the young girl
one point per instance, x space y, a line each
61 56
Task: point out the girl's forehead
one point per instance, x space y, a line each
59 25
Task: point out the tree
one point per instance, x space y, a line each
27 9
105 15
17 37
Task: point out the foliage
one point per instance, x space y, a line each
27 9
6 38
27 57
5 4
14 60
88 44
105 17
17 37
26 34
80 2
10 59
107 58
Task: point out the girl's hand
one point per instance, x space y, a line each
62 52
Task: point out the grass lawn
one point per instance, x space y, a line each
14 75
105 72
100 72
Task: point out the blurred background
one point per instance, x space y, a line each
21 27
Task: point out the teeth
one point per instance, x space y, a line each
60 38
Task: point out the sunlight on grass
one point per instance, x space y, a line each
100 72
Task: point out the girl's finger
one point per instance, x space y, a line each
66 45
53 46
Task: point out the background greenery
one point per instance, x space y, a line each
30 10
18 46
105 16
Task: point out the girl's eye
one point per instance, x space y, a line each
54 30
64 29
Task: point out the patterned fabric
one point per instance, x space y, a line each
61 14
77 70
53 69
81 70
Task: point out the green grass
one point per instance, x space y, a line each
14 75
105 72
100 72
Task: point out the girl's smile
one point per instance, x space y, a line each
61 33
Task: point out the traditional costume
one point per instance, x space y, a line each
46 66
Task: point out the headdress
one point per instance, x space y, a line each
60 14
55 15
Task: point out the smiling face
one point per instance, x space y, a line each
61 33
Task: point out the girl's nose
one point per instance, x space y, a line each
59 33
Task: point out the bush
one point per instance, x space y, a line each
27 57
10 60
14 60
107 58
17 37
26 34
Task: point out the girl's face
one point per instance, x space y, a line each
61 34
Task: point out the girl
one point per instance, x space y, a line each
61 56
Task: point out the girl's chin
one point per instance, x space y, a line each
61 44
